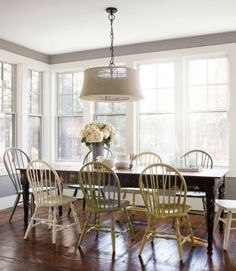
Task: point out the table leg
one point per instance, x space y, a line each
210 197
25 187
221 194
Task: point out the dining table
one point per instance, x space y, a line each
210 181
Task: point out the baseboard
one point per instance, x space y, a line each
7 202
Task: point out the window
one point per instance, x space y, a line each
7 110
70 116
35 114
207 107
156 110
114 113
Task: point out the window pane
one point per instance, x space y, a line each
165 100
149 103
7 100
197 71
65 83
6 133
119 122
103 108
218 97
148 76
69 88
78 79
198 98
208 131
35 83
34 139
69 143
217 71
156 134
7 75
165 76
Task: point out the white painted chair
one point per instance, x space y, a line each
228 206
142 159
40 175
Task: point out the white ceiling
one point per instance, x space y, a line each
61 26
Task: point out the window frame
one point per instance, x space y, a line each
158 112
80 114
13 111
40 114
187 110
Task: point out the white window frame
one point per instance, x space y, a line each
40 114
13 112
174 113
187 110
58 116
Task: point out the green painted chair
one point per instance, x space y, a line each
142 159
101 188
88 158
158 184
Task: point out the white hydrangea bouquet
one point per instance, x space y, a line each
96 132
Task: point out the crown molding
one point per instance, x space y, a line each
139 48
23 51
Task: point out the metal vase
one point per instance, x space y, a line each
98 150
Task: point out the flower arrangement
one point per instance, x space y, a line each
96 132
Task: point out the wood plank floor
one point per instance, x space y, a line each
37 253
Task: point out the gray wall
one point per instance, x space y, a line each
7 188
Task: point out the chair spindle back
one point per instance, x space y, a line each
158 184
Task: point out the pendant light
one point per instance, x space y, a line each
111 83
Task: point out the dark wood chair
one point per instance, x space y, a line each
14 159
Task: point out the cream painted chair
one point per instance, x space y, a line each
158 184
101 189
40 175
228 206
142 159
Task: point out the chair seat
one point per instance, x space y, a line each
229 205
77 186
30 190
172 211
194 194
59 201
107 205
135 190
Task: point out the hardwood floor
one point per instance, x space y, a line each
38 253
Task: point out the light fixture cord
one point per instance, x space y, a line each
111 17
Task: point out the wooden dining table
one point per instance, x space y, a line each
210 181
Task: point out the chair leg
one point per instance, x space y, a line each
32 205
227 230
74 214
30 224
54 226
74 195
129 223
50 218
147 230
179 241
84 203
190 230
14 206
133 201
217 218
84 229
113 237
204 209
